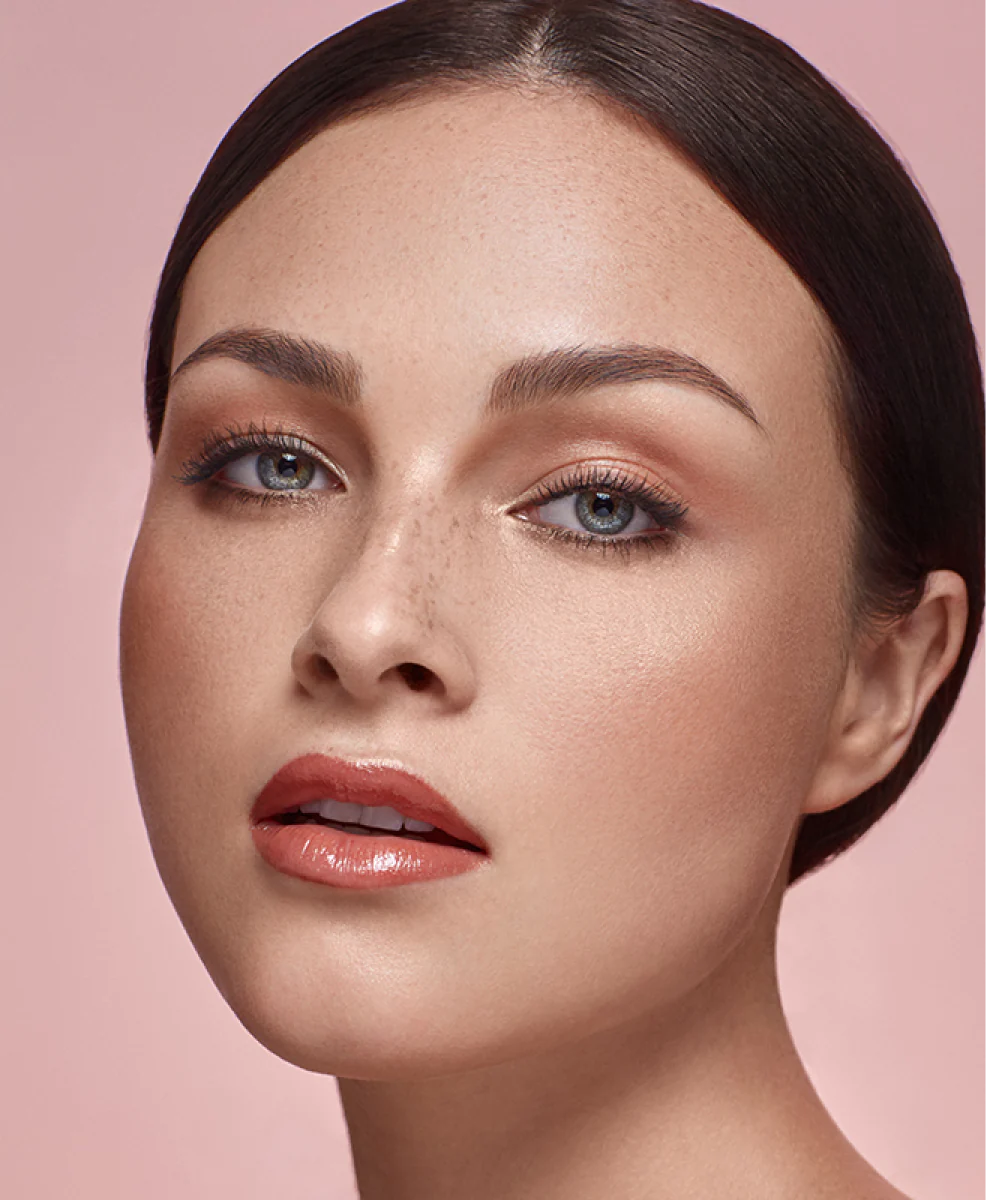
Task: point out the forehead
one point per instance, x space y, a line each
458 230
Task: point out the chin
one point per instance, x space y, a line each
312 1033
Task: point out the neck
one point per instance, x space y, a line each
711 1099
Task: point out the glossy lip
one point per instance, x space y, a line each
321 777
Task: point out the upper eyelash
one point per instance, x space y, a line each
660 504
220 449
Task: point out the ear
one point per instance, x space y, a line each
889 680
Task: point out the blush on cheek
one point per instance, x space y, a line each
170 667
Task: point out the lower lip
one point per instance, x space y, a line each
321 854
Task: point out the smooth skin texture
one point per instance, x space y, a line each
594 1012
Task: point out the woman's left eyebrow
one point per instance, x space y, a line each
532 381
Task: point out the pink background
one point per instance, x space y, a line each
124 1073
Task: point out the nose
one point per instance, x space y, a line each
384 626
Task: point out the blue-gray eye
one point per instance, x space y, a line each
598 512
276 471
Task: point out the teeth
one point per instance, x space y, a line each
381 817
336 810
372 816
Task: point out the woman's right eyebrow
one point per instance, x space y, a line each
535 380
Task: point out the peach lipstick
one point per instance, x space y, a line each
360 824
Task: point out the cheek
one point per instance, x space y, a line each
662 751
637 746
207 626
175 648
200 641
207 617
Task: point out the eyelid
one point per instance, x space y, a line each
586 476
655 500
219 450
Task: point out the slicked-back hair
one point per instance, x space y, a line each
800 164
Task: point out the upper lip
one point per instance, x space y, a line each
363 781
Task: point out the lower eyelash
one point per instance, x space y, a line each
653 542
664 508
238 495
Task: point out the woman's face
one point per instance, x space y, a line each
633 734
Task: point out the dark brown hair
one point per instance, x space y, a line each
784 147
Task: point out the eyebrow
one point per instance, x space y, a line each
529 382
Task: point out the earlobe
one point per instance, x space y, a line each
889 681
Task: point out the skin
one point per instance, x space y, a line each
594 1011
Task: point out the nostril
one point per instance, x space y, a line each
324 669
416 675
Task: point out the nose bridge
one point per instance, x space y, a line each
390 596
412 520
404 552
420 418
395 563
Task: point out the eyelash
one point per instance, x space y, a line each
221 449
668 511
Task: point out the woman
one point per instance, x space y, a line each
564 533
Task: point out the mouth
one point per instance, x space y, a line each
372 821
365 798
